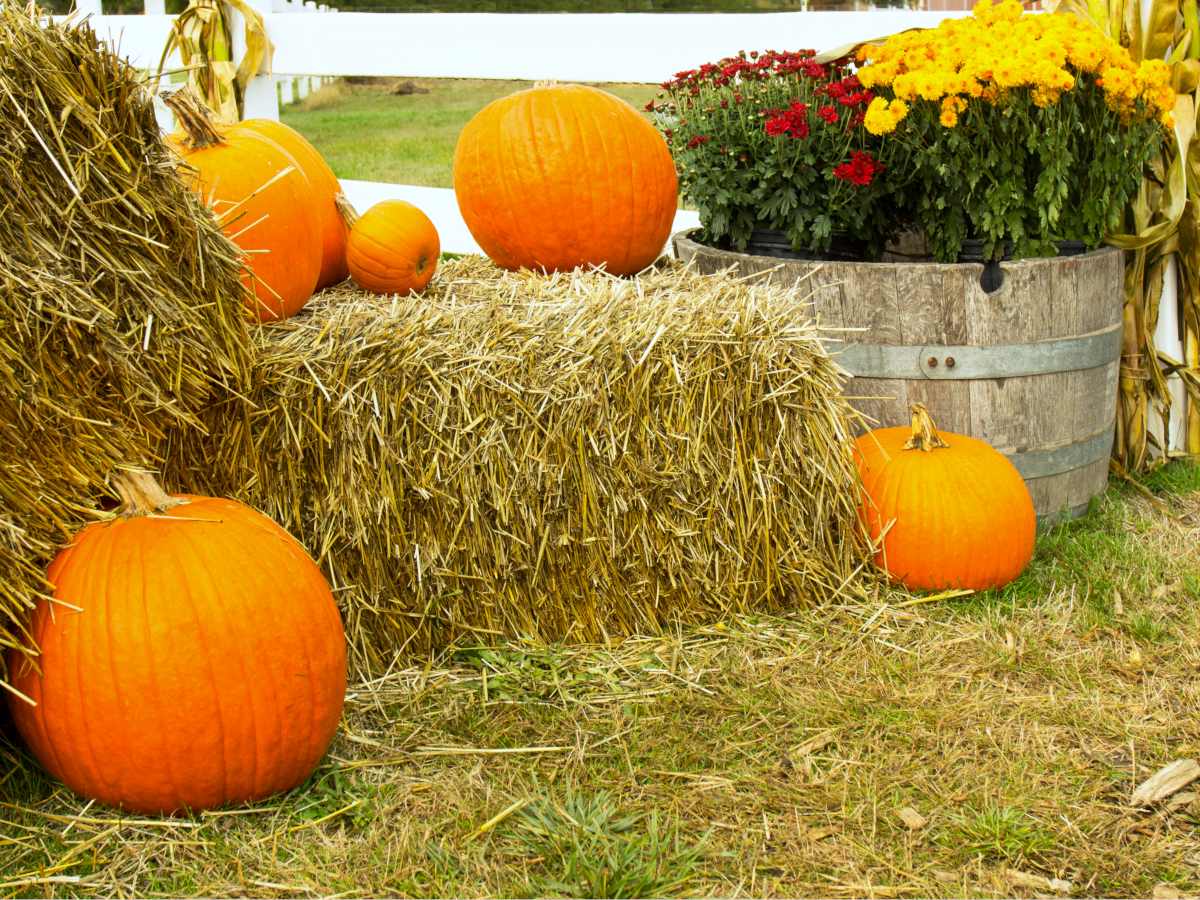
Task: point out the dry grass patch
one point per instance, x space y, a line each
326 96
765 756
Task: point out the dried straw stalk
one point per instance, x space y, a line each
120 299
566 457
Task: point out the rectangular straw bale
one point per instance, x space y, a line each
570 456
120 298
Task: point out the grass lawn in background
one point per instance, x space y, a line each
982 746
368 133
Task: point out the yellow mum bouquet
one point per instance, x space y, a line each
1020 130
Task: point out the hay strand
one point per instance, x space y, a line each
566 457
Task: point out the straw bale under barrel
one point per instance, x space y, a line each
569 456
120 298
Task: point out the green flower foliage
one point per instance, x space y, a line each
774 141
1021 178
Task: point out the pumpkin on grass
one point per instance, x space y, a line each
947 510
560 176
192 657
393 248
262 199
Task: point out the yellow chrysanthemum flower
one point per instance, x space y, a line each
1043 97
882 117
951 107
999 50
904 86
930 85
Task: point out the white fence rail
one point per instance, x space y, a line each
629 47
636 47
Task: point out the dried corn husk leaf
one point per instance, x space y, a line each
1160 223
1166 781
201 34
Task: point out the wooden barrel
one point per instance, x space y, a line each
1030 367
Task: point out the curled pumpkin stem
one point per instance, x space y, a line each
141 494
924 432
347 210
193 118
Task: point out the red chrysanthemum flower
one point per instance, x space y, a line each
792 121
861 169
777 125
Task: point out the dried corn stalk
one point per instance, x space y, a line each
1161 222
201 34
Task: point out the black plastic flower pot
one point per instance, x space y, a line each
779 245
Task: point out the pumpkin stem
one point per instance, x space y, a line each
193 118
141 493
346 208
924 431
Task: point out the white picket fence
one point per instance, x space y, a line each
313 42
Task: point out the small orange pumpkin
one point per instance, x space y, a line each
325 191
560 176
393 248
263 200
192 657
952 511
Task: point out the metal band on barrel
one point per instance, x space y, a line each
963 362
1040 463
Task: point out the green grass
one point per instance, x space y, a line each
761 756
997 833
586 846
369 134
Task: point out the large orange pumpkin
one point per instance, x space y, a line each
261 197
952 511
325 191
560 176
193 657
393 247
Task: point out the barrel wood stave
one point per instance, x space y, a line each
1068 308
